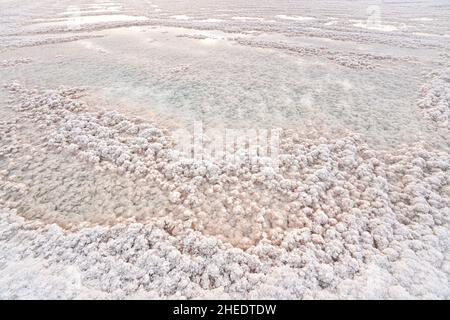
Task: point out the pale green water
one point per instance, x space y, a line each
200 70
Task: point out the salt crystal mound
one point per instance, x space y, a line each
42 39
351 60
434 100
14 62
337 220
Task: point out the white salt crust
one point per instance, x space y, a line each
134 218
434 99
14 62
353 60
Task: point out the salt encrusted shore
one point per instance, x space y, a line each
105 198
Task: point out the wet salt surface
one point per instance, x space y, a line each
289 89
362 216
82 20
295 18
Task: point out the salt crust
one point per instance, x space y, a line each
337 220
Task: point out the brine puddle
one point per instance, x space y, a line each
223 83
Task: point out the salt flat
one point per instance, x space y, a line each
99 199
